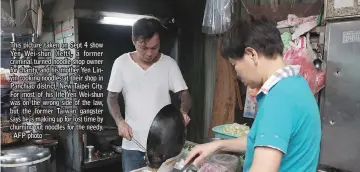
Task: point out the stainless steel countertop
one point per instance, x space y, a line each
101 161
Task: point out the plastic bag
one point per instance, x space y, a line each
230 162
250 107
212 167
299 25
6 19
303 55
320 80
217 16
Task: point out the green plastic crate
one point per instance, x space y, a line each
218 131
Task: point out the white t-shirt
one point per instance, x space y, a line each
145 92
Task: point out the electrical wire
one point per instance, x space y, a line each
40 4
32 25
30 9
26 15
23 19
243 4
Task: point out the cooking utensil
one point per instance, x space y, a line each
186 166
166 136
138 143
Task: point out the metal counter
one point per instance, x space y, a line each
102 161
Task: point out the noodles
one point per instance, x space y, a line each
236 129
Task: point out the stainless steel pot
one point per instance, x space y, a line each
25 159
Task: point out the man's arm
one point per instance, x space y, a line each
114 107
185 99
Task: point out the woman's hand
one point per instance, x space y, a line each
203 150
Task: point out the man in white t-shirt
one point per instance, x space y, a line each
144 77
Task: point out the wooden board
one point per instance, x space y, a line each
283 9
225 95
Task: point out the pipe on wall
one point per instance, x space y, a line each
12 9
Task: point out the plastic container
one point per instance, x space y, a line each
218 131
168 165
231 162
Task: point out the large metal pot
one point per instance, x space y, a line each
25 159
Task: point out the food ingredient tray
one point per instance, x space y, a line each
237 131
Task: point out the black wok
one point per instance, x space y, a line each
166 137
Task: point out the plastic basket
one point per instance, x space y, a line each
218 131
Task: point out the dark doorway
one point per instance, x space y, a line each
117 41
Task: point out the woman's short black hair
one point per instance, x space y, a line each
145 28
260 34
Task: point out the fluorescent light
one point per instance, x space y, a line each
119 21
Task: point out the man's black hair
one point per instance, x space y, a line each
259 34
145 28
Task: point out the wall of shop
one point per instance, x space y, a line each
189 49
159 8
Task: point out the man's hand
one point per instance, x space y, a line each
125 130
186 119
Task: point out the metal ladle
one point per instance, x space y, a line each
138 143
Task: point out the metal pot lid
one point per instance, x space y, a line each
24 155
